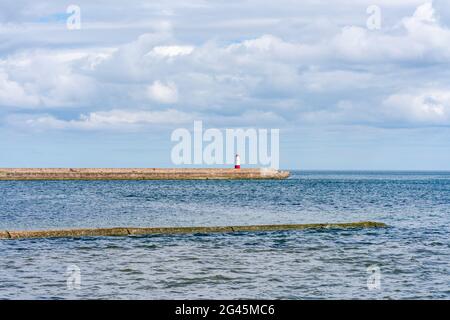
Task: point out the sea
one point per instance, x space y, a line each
409 259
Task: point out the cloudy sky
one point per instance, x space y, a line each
345 95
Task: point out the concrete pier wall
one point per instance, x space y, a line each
138 174
71 233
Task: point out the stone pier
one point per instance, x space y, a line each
139 174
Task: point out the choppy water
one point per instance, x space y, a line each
413 255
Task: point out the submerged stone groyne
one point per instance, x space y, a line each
101 232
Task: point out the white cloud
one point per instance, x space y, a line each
44 79
294 77
103 120
419 38
13 93
429 106
132 120
171 51
163 93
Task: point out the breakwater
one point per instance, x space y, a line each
100 232
139 174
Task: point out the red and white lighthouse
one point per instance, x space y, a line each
237 162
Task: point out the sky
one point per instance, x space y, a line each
350 86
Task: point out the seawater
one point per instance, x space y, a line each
412 254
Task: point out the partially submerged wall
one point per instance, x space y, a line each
70 233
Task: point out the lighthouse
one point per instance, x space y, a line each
237 162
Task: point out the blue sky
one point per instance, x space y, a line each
345 96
